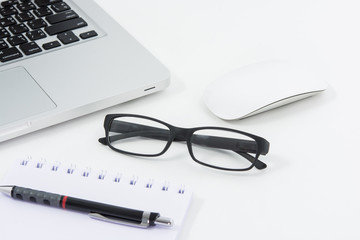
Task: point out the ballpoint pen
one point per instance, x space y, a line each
95 210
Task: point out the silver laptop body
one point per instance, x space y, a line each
100 66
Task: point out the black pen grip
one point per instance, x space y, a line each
35 196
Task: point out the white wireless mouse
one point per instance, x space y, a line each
260 87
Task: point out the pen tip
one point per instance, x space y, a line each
6 190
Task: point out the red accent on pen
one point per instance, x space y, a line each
63 203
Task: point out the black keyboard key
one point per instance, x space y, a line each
7 11
60 17
4 33
37 23
42 3
17 40
7 21
9 54
24 17
60 7
42 12
3 44
36 35
30 48
88 34
18 28
26 6
51 45
9 3
68 37
65 26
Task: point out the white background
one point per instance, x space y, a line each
310 188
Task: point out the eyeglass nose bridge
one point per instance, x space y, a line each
182 135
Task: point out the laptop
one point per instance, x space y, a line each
61 59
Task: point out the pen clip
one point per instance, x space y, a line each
145 221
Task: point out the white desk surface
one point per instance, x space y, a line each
310 188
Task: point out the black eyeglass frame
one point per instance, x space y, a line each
186 134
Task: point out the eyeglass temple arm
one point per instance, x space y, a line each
208 141
132 130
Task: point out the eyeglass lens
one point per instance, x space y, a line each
224 149
138 135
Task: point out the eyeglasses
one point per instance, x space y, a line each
215 147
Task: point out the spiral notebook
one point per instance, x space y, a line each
22 220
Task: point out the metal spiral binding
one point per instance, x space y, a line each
118 177
101 176
41 163
71 169
165 187
86 172
134 180
149 183
55 167
181 189
26 161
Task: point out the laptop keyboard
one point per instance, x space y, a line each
29 27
